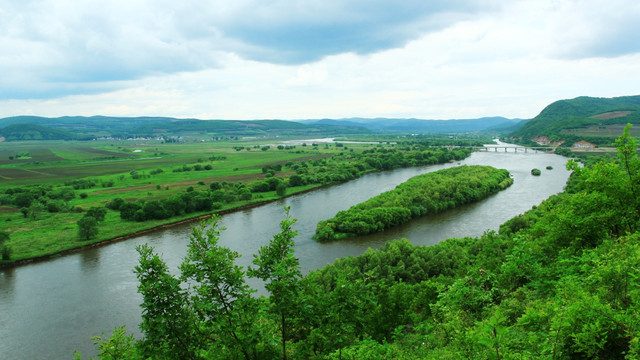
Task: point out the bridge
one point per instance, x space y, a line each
514 148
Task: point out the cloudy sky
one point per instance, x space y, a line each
298 59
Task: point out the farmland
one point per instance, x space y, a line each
47 187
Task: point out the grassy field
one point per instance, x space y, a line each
129 170
609 131
52 162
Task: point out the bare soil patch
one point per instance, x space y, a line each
611 115
8 209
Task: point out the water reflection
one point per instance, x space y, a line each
89 259
7 282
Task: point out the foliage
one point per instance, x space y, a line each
561 281
87 227
536 172
22 132
5 250
421 195
277 266
119 346
580 113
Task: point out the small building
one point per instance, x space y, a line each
584 145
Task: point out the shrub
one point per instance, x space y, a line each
535 172
87 227
115 204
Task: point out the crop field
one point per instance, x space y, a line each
57 161
130 171
609 131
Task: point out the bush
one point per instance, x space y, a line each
536 172
83 195
55 206
6 252
87 227
115 204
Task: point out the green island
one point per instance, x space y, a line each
560 281
57 196
425 194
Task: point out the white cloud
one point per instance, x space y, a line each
194 60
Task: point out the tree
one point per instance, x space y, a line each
35 209
281 189
97 212
87 227
5 250
296 180
208 312
166 323
221 298
120 346
280 270
628 157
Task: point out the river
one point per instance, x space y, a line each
49 309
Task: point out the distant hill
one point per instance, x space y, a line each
80 127
596 120
23 132
424 126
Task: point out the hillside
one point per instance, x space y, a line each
123 127
596 120
21 132
422 125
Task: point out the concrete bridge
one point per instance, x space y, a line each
514 148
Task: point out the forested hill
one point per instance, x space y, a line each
17 132
424 126
79 127
597 120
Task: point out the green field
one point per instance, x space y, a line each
46 187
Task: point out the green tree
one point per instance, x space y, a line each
281 189
97 212
119 346
87 227
5 250
280 270
167 323
221 298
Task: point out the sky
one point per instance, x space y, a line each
309 59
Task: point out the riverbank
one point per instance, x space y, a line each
48 227
150 230
54 307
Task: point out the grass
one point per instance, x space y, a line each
54 162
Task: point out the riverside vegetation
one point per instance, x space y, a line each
561 281
426 194
47 206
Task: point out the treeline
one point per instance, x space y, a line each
558 282
33 200
81 201
26 132
426 194
338 168
183 203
